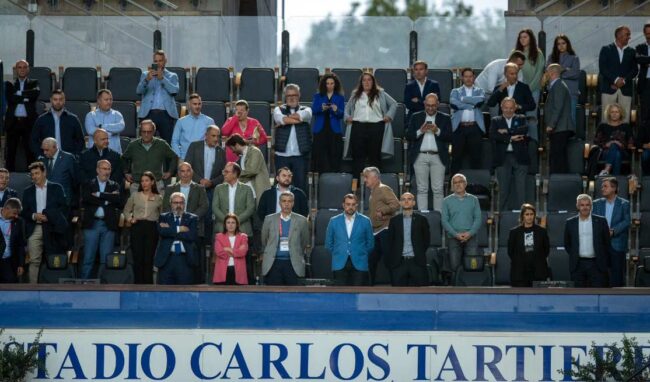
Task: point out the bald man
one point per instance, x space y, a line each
22 96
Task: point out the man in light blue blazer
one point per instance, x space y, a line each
158 86
349 239
617 212
467 122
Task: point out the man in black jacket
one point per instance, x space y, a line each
408 236
12 246
586 240
101 201
509 136
22 96
100 150
59 124
270 199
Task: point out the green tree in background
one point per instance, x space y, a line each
447 37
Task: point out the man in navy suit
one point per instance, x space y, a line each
6 193
101 201
643 84
349 240
418 88
61 168
617 67
100 150
617 212
59 124
512 88
176 255
429 135
509 136
22 96
12 246
586 240
45 212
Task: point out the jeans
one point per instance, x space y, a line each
99 236
614 156
457 250
429 168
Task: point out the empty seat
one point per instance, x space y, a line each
444 108
41 107
215 110
562 192
581 122
257 84
19 181
349 80
473 272
435 228
644 230
507 221
582 87
130 115
332 187
645 194
80 84
47 275
486 154
393 81
483 235
45 79
434 266
306 78
321 263
389 179
122 82
396 163
445 79
558 262
575 154
262 112
479 184
399 122
623 187
213 84
502 267
181 96
323 217
555 222
533 154
78 108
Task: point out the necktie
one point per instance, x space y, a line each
177 245
50 165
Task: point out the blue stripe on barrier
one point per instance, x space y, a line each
324 311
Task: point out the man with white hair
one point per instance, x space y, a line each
61 168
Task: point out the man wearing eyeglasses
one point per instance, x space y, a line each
293 136
148 153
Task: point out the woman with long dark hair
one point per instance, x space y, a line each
368 110
328 108
142 211
230 248
528 248
564 55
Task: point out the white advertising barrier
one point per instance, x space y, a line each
200 355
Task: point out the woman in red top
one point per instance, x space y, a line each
249 128
230 248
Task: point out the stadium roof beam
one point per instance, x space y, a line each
144 9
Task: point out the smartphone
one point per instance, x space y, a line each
429 122
154 66
328 104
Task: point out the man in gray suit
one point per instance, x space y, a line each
207 159
233 196
557 117
285 237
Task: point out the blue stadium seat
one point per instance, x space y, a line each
19 181
80 84
122 82
130 115
331 189
306 78
393 81
45 79
257 84
213 84
216 110
445 79
321 263
262 112
323 217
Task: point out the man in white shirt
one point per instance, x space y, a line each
587 241
232 196
493 75
293 136
617 67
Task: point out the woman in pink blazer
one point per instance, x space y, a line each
230 248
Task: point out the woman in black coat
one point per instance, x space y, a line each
528 248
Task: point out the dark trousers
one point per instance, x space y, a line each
327 151
164 123
381 249
558 157
281 273
350 276
299 166
7 272
365 143
644 122
144 238
19 135
617 268
466 142
588 275
176 271
409 273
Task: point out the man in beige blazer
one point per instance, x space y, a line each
253 166
285 238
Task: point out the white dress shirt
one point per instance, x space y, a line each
231 259
349 223
586 234
429 140
209 155
232 189
367 113
41 198
20 108
468 115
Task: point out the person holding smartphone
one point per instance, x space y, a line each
158 86
327 108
